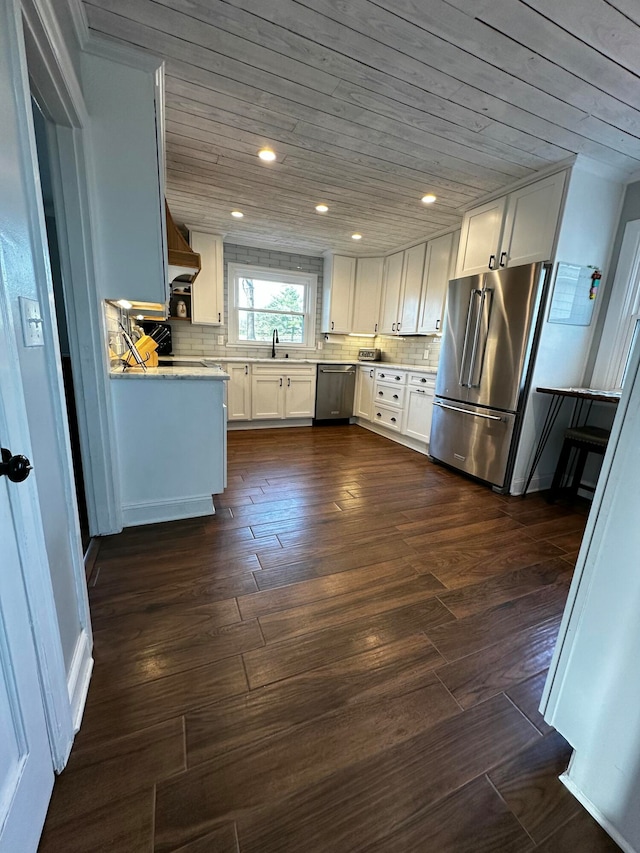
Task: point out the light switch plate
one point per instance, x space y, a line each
31 322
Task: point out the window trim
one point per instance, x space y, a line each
622 313
235 271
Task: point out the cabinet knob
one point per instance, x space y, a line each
393 420
503 259
395 396
380 394
492 262
382 375
423 379
398 378
378 414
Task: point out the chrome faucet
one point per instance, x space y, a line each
274 340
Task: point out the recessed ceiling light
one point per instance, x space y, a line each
238 214
266 154
428 199
356 236
322 208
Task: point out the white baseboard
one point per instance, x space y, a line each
539 483
232 426
405 440
153 512
79 677
596 814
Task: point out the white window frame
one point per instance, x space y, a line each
235 272
623 313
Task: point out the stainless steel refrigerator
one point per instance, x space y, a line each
487 351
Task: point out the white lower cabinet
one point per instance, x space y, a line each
238 391
419 409
276 394
363 402
387 417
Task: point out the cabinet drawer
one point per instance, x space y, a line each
282 368
388 417
419 380
391 395
396 376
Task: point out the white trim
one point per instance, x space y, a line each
79 20
596 814
399 438
295 277
152 512
124 54
78 679
51 70
624 303
233 426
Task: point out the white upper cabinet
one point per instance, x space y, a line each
368 286
207 291
338 285
392 281
408 307
518 228
401 291
531 222
124 105
438 264
480 238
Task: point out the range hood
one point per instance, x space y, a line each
184 264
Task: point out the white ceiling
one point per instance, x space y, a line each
371 104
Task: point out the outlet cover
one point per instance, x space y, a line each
427 352
221 340
319 344
31 322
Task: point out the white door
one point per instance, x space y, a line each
409 303
26 769
300 397
531 222
436 279
392 281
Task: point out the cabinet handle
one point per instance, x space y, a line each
492 262
398 329
219 317
371 374
393 420
288 382
281 381
246 370
437 325
375 328
393 327
332 325
503 259
420 391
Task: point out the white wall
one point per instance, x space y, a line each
589 221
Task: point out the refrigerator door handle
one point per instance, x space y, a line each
465 368
467 412
482 331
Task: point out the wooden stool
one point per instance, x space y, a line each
586 440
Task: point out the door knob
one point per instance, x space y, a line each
17 468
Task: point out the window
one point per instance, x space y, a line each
262 299
623 314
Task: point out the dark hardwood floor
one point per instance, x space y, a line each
347 657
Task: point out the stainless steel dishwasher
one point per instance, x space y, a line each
335 386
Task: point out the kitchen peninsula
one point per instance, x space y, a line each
170 424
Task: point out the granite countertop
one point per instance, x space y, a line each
206 360
182 371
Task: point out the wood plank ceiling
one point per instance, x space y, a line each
370 104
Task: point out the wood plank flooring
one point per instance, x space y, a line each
348 656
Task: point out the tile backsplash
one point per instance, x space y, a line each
193 339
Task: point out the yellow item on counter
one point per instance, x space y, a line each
147 347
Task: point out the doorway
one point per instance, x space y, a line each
45 165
